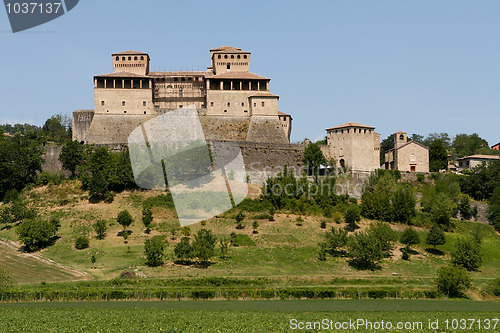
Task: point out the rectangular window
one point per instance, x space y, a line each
211 104
242 104
254 105
180 106
102 102
228 104
123 103
262 104
225 110
245 111
143 103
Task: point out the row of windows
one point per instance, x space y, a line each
197 78
123 103
129 58
122 83
232 56
243 111
130 65
354 130
126 111
242 104
232 63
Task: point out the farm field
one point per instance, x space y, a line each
241 316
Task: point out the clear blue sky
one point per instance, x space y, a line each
419 66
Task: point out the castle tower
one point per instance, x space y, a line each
229 59
131 62
400 138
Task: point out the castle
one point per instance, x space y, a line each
233 104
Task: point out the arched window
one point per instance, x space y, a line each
117 58
228 65
123 58
142 57
219 56
239 56
244 56
129 58
225 56
342 163
232 56
135 58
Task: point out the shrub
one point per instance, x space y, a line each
81 243
420 177
410 237
239 220
467 253
100 228
322 225
365 251
147 217
335 240
352 215
494 287
435 236
299 221
154 250
47 177
255 225
453 281
35 233
186 231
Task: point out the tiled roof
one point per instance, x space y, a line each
263 94
228 49
283 114
488 157
180 73
238 75
350 124
130 52
123 74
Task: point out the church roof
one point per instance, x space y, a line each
238 75
408 143
228 49
350 124
130 52
123 74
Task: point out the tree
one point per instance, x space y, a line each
442 208
403 204
352 215
453 281
147 217
93 260
385 145
376 198
465 145
438 156
204 245
482 180
224 246
57 129
410 237
313 158
435 236
255 225
365 251
494 209
384 234
97 174
100 228
183 250
467 253
239 219
72 155
124 219
20 161
35 233
154 251
334 241
464 206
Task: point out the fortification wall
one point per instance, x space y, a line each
113 130
266 129
82 120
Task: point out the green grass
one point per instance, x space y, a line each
230 316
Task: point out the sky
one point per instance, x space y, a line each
418 66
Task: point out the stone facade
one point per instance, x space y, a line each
407 156
354 146
227 90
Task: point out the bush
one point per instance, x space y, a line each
420 177
384 234
183 250
410 237
365 251
352 215
35 233
494 287
147 217
335 240
100 228
154 251
81 243
435 236
322 225
453 281
467 253
47 177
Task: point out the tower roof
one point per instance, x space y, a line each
130 52
350 124
228 49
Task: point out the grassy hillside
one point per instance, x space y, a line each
282 251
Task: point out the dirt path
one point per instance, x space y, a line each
11 250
